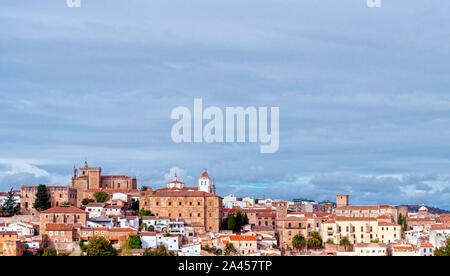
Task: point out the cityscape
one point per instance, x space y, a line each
108 215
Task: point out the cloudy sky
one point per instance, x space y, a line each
364 94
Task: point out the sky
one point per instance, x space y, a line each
364 94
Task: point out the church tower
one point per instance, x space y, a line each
205 183
175 183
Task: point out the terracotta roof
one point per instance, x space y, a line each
426 244
266 215
370 245
339 218
440 227
204 174
366 207
63 209
147 234
383 223
93 204
59 227
116 176
8 232
113 190
184 192
242 238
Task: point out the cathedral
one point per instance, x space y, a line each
88 180
198 206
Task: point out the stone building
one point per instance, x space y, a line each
360 230
58 196
367 211
199 209
88 180
69 215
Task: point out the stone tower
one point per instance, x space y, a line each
342 200
281 210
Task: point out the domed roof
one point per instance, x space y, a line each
204 174
423 209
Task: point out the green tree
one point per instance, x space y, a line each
229 249
403 224
9 206
42 201
344 241
135 206
375 241
67 203
231 223
145 213
299 241
101 196
86 201
82 246
134 242
443 251
151 228
330 241
239 221
47 252
99 246
314 240
160 251
143 226
144 188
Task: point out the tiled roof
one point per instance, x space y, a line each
63 209
204 174
383 223
242 238
184 192
59 227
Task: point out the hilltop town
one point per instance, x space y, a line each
109 215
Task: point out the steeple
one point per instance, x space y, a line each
204 182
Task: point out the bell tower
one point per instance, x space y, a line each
205 183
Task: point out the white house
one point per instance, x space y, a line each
172 243
439 234
192 249
101 222
132 221
148 239
231 201
154 240
22 228
120 196
95 210
159 224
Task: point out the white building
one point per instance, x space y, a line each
159 224
192 249
366 249
95 210
154 240
130 221
231 201
205 183
439 234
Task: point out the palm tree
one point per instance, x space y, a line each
315 240
299 242
345 241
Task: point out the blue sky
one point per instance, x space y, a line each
363 93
